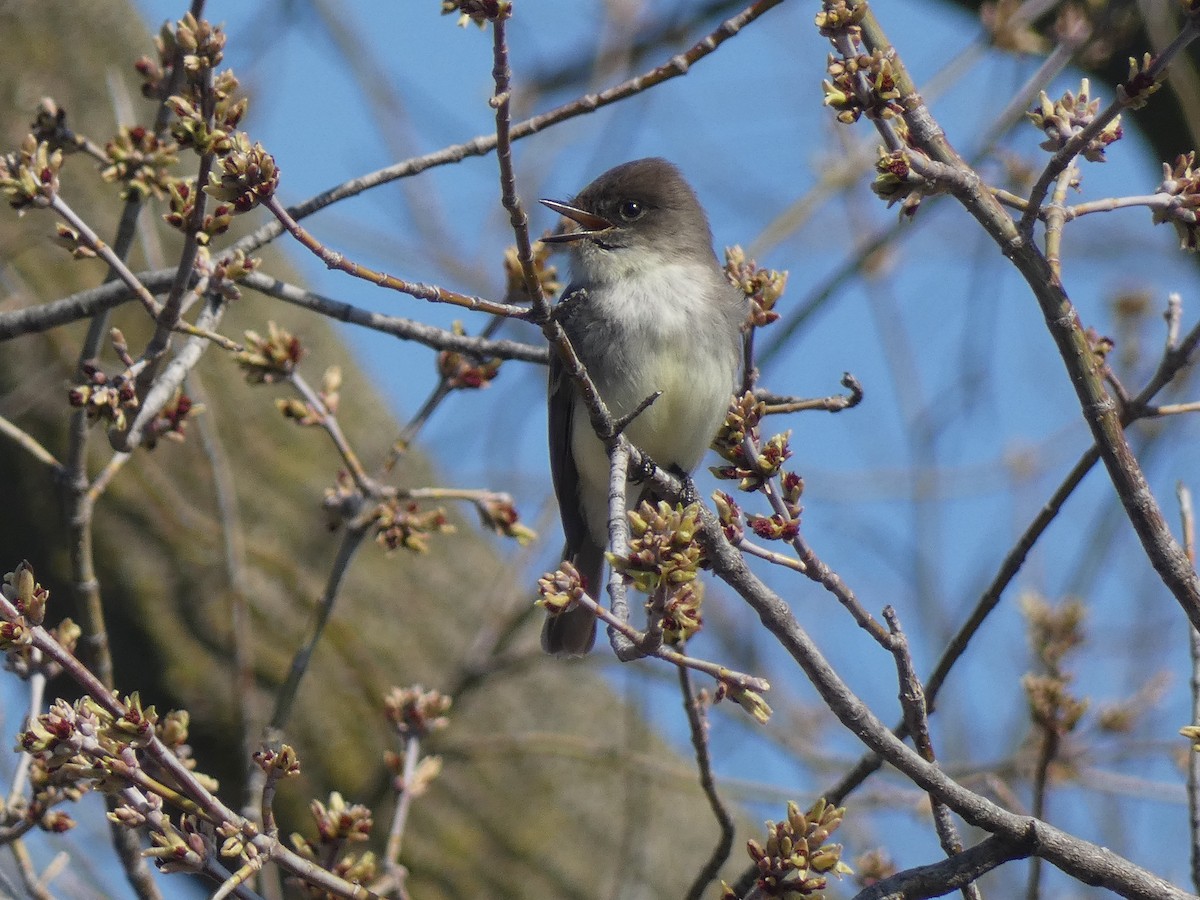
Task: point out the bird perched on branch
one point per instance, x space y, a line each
656 314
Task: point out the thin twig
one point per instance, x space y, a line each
912 702
1080 139
141 292
30 445
328 422
1055 215
675 67
429 292
618 542
170 380
694 706
351 540
1176 355
501 101
81 305
777 404
1080 859
946 168
404 329
1188 522
404 799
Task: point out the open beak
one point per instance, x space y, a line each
589 223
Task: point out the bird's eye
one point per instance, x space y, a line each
631 210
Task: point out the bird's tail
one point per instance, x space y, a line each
573 632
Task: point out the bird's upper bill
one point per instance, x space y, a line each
589 223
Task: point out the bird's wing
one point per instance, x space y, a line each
561 414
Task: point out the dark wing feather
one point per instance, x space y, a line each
561 413
573 632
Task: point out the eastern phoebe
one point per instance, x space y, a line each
658 315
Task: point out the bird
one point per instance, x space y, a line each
648 309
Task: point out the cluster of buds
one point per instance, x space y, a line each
281 763
796 861
561 589
1101 345
1054 631
729 514
1052 706
498 513
416 712
28 597
269 359
156 73
1192 733
342 501
1064 118
88 740
1135 91
862 85
402 523
245 176
50 125
26 602
193 129
29 176
1009 29
139 161
740 425
748 699
104 398
77 244
763 287
681 617
226 272
514 276
416 783
896 182
202 43
741 422
781 527
663 552
339 823
839 17
1182 183
172 420
182 849
303 412
463 371
182 210
478 11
